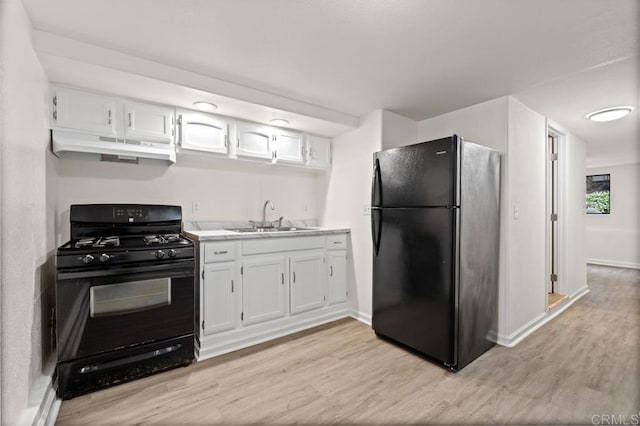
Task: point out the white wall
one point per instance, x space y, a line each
344 194
574 278
224 190
613 239
527 279
28 243
398 130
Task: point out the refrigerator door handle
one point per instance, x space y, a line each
376 184
376 227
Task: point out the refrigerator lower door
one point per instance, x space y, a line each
413 279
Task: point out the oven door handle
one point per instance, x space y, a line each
174 269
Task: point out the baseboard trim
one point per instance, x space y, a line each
51 407
521 333
615 263
214 345
361 316
46 412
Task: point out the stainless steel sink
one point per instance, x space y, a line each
270 229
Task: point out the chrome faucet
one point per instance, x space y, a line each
264 211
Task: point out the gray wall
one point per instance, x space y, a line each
27 228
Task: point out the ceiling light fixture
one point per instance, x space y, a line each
609 114
279 122
205 106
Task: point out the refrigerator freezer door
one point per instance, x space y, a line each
421 175
412 279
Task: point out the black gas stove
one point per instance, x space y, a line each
124 296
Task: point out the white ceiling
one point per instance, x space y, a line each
419 58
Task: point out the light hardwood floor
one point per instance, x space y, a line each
585 362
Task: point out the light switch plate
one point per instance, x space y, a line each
366 210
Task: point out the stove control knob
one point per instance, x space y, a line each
159 254
87 259
104 257
173 253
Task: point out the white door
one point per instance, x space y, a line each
307 276
263 288
337 281
289 147
318 152
203 132
76 110
253 140
219 290
147 122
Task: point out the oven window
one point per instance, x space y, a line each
114 299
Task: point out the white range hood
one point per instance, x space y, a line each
73 143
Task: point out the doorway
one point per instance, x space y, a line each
554 294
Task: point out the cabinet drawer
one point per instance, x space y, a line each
337 242
218 252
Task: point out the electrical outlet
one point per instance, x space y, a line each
195 206
516 212
366 210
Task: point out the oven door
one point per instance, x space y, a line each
101 310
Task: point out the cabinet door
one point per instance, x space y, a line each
76 110
307 276
263 289
337 281
253 140
219 297
318 152
148 122
289 147
203 132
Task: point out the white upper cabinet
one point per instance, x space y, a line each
147 122
318 152
254 140
289 147
203 132
85 112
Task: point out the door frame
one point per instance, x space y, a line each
560 133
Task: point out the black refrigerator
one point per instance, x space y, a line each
435 233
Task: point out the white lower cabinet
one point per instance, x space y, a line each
307 278
337 279
257 289
263 288
219 296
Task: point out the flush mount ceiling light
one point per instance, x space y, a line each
205 106
609 114
279 121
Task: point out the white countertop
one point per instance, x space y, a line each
223 234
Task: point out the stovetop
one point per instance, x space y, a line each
127 242
109 250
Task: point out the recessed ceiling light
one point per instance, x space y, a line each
205 106
279 122
609 114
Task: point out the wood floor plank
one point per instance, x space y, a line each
584 362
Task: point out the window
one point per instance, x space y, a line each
598 194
